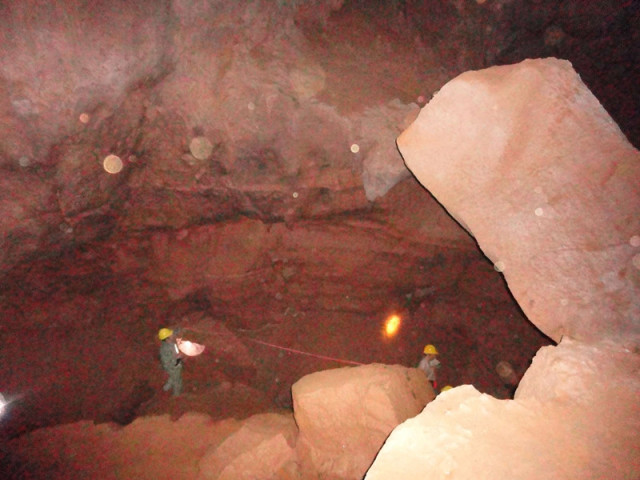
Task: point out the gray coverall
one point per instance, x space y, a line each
172 363
428 366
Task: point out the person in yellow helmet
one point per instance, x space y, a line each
171 360
430 363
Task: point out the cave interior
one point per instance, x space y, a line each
258 200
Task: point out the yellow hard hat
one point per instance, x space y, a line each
164 333
430 350
445 388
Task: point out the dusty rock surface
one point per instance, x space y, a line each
549 431
564 229
230 168
152 447
345 415
261 197
575 410
263 447
342 417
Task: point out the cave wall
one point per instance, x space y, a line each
219 109
261 194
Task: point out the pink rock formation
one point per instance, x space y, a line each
152 447
263 447
342 417
530 163
345 415
569 421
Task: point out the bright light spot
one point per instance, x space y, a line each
392 325
499 266
24 161
251 106
635 241
112 164
190 348
564 302
355 148
636 261
201 148
4 402
539 212
295 195
84 118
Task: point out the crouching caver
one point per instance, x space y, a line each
171 359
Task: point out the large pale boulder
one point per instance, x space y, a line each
344 415
575 416
530 163
526 158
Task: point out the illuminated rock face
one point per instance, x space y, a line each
263 447
342 417
529 162
526 158
258 195
345 415
574 416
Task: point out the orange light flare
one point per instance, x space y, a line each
392 325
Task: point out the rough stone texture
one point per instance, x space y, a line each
383 166
149 448
574 416
345 415
275 93
557 229
43 44
263 447
527 160
342 417
575 30
193 446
